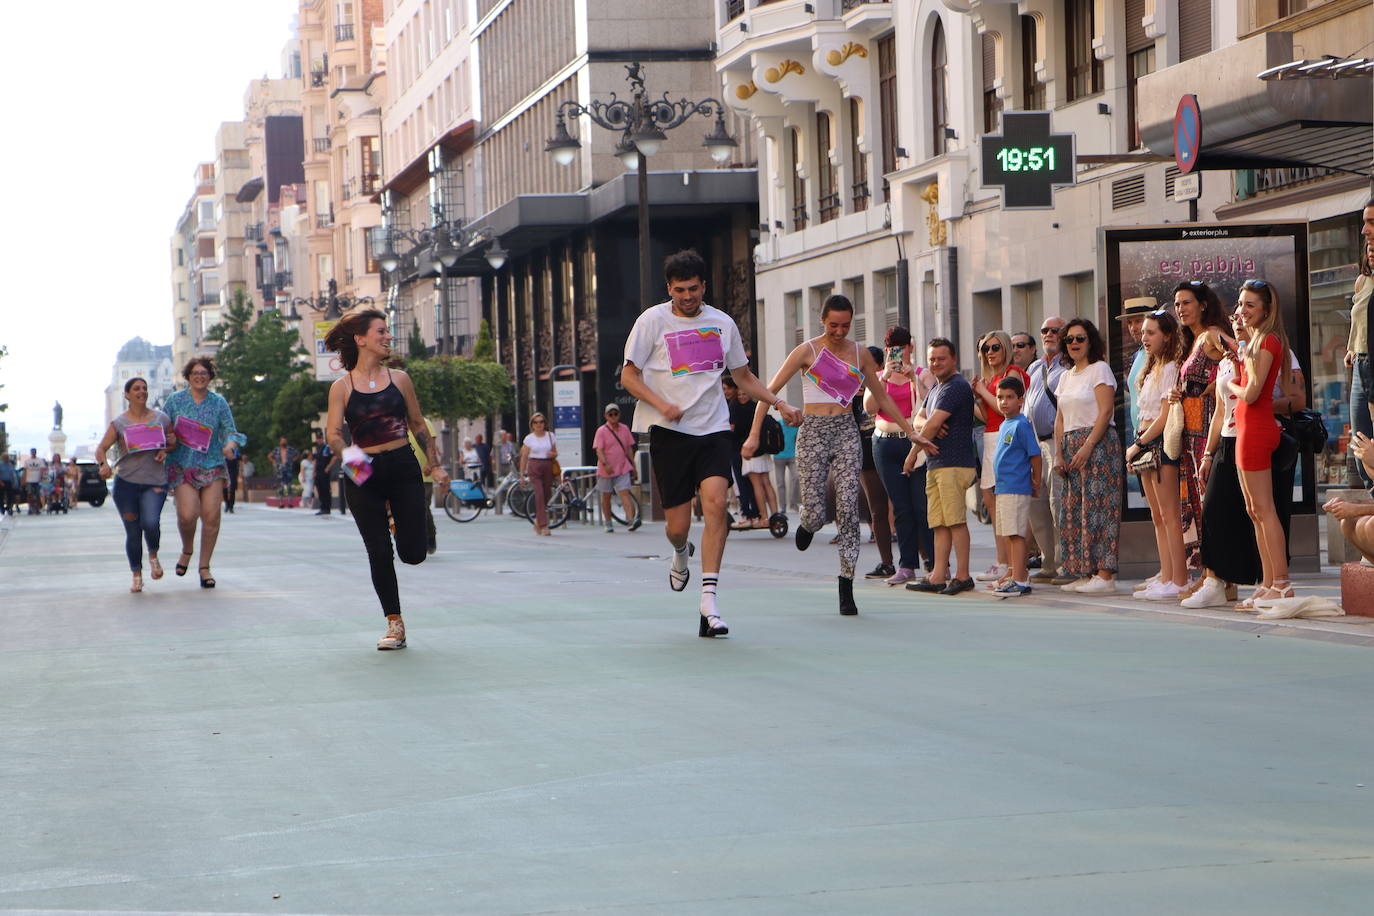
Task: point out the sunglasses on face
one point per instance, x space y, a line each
992 348
1022 344
1049 330
1076 338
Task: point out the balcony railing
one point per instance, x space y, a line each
316 78
369 183
348 189
847 5
253 232
860 195
734 9
799 218
343 32
322 144
281 279
324 220
209 298
829 206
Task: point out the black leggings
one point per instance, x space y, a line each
396 481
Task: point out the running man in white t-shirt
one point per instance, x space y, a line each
674 358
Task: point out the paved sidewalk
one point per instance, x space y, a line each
558 740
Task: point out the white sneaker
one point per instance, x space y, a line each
1076 584
1212 593
992 573
1162 591
1096 585
1140 587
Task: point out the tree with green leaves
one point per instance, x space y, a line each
415 344
456 388
485 348
256 360
298 407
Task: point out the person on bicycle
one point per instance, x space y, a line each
615 467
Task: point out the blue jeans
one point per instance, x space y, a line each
1360 399
915 540
140 508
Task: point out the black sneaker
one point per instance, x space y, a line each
956 586
881 571
1035 562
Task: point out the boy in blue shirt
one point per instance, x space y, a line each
1017 468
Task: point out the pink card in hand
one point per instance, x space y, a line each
143 437
193 435
357 464
695 350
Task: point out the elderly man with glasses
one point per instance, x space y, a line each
615 467
1041 408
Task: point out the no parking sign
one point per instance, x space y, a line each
1187 134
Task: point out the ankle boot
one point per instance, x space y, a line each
847 605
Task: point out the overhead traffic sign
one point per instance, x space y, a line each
1027 161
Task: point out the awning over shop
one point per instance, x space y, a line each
1252 122
530 221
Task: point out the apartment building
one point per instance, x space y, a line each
570 289
428 127
274 138
341 97
195 275
138 358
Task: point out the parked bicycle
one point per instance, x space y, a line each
467 498
576 495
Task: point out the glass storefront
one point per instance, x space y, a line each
1334 246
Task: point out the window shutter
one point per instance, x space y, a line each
990 61
1194 28
1135 32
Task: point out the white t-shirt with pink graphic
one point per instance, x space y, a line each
682 360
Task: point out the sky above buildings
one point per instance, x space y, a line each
110 107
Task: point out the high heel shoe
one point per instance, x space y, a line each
182 567
155 566
206 581
711 626
847 606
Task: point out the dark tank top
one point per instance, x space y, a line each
376 419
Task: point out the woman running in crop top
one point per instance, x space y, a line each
834 369
379 407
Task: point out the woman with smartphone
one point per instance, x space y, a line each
907 385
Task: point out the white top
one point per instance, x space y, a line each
1154 388
812 393
540 446
682 360
1077 397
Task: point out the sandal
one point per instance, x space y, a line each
206 581
1257 595
155 566
182 567
138 583
1282 588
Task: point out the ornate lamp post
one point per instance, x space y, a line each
444 242
333 305
642 123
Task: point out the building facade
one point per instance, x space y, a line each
140 359
195 276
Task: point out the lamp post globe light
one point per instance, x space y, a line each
643 124
442 243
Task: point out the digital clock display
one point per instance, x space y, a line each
1027 159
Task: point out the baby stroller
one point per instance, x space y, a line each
57 495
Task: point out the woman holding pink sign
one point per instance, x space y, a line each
143 436
834 369
205 432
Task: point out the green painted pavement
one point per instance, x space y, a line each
557 739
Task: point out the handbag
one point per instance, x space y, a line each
1148 459
1307 427
1173 431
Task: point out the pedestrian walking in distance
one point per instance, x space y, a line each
379 407
198 467
537 455
143 436
834 369
674 358
615 467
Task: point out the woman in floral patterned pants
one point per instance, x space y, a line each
826 444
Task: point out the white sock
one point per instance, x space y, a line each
680 558
708 594
1023 584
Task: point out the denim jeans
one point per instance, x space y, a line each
915 540
1360 399
140 508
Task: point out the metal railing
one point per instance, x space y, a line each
253 232
370 183
799 217
734 9
316 78
322 144
281 279
860 195
324 220
847 5
343 32
829 206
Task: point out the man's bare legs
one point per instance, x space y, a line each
678 521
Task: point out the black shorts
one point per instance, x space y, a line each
681 462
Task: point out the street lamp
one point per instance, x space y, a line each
642 123
333 305
443 242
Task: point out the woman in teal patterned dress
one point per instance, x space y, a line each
199 475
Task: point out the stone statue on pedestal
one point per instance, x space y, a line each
57 415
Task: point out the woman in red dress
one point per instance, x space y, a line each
1257 432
